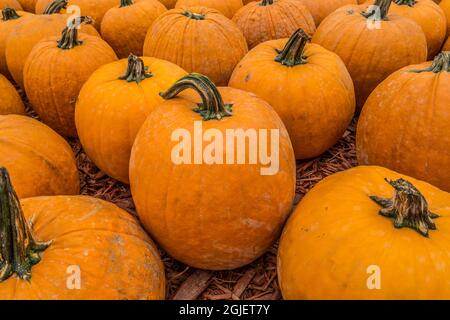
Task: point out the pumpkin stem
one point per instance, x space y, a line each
55 7
266 3
408 207
9 14
293 52
212 106
378 11
18 250
69 36
125 3
136 71
410 3
194 16
440 63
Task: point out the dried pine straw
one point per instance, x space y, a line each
257 281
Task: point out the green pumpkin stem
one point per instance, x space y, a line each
69 36
125 3
410 3
441 63
266 3
136 70
212 106
408 208
55 7
19 252
378 11
192 15
9 14
293 52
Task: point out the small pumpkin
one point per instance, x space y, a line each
445 6
10 18
45 240
429 16
40 161
125 27
52 83
307 85
372 43
266 20
114 103
365 229
11 102
27 34
208 213
320 9
228 7
28 5
414 143
198 40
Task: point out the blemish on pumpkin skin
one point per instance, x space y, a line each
248 77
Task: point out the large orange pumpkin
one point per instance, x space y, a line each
27 34
52 83
73 247
372 44
405 123
267 20
429 16
290 79
114 104
357 236
207 208
198 40
227 7
320 9
445 6
39 160
125 27
10 99
10 18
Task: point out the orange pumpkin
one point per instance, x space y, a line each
28 5
27 34
52 83
314 121
266 20
40 161
212 214
414 143
429 16
74 247
227 7
125 27
169 4
446 46
372 44
93 8
320 9
13 4
10 18
198 40
11 102
357 236
445 6
114 104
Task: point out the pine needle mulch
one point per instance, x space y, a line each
257 281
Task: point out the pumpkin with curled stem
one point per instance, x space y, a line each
208 208
40 161
414 143
227 7
10 99
73 247
27 34
320 9
365 229
266 20
307 85
372 43
114 103
53 84
198 39
124 27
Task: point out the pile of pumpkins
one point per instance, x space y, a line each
124 75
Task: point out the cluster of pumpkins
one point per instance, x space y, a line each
125 74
